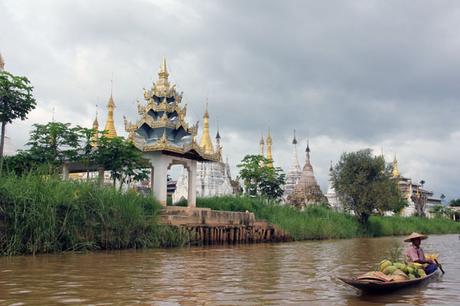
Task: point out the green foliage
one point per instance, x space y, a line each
123 159
441 211
41 214
260 179
364 185
320 222
53 143
16 101
454 202
398 226
315 222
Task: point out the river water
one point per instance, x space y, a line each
297 273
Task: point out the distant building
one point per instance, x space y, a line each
294 172
416 196
307 190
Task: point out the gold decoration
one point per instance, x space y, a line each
206 142
109 124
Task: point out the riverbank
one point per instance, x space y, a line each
42 214
319 222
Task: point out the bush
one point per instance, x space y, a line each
320 222
41 214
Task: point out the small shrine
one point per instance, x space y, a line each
165 138
307 190
294 172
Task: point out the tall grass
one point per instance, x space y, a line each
41 214
320 222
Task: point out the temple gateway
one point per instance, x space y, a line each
165 138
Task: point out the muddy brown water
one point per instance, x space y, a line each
298 273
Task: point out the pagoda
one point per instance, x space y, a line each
331 194
294 172
307 190
213 178
165 138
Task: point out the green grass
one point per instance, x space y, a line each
41 214
320 222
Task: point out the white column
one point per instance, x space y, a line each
160 170
65 172
192 184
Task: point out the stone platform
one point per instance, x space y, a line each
206 226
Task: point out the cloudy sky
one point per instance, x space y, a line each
351 74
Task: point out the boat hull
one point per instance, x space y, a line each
383 287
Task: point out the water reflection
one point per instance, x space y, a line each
289 273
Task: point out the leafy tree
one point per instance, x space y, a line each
441 211
20 163
16 101
364 184
122 158
86 151
261 179
53 143
454 203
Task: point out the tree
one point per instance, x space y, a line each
53 143
86 151
20 163
364 184
261 179
454 203
122 158
16 101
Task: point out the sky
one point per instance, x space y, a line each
348 75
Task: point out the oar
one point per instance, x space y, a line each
439 266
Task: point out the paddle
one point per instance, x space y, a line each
439 266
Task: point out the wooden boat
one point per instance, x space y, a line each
376 286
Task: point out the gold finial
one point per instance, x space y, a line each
95 138
269 149
161 87
109 124
395 167
206 142
164 68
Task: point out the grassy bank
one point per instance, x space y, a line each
318 222
41 214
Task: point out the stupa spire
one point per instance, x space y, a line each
307 150
269 149
95 138
2 63
109 124
206 143
395 171
262 146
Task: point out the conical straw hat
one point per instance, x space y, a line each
415 235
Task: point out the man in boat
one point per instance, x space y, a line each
414 253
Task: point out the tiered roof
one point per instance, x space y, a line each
161 125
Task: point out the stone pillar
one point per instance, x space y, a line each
192 184
65 172
160 170
100 176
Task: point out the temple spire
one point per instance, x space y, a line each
95 138
395 168
262 145
162 86
269 149
2 63
109 124
307 150
206 143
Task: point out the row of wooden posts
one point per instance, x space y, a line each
203 234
